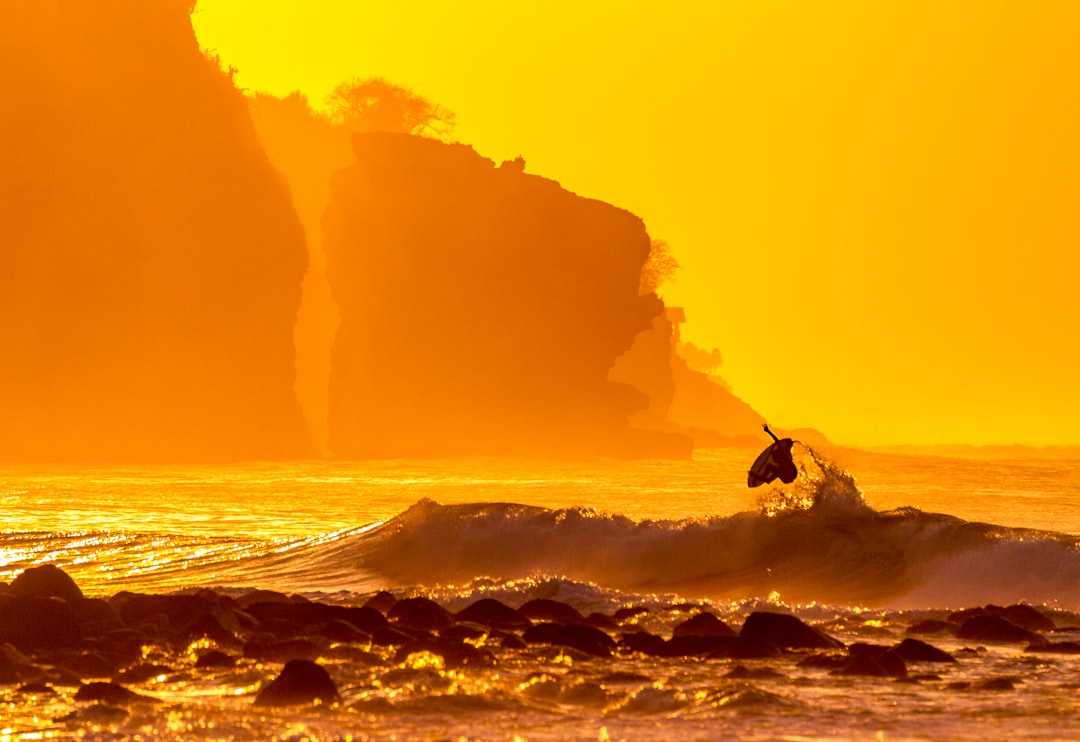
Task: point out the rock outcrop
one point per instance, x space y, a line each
150 260
481 309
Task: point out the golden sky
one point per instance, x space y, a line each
876 205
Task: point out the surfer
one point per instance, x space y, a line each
775 462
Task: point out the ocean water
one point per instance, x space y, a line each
861 545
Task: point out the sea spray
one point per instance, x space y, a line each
822 484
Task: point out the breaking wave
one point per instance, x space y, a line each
817 540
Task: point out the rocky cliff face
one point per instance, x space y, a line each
150 260
681 399
481 308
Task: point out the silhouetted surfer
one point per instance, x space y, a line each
774 462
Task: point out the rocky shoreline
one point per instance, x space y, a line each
105 655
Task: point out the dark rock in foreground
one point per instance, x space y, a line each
544 609
932 626
495 615
421 614
990 628
31 623
913 650
703 624
786 632
1019 614
874 661
301 682
1054 648
582 638
112 694
46 581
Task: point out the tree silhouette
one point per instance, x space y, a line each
659 268
374 104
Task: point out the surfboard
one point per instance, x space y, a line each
773 463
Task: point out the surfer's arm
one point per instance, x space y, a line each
766 427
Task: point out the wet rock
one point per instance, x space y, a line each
215 625
381 601
15 666
623 615
1054 648
786 631
959 617
262 596
339 630
494 614
30 623
643 642
122 647
388 636
215 658
694 646
364 618
932 626
304 614
455 654
420 613
703 624
587 639
96 616
1019 614
98 713
1028 618
36 689
112 694
914 650
46 581
601 621
354 655
266 648
544 609
142 672
182 613
583 638
301 682
507 641
874 661
89 665
990 628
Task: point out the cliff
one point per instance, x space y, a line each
481 309
151 261
681 399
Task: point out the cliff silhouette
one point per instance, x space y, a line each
681 399
151 260
481 309
307 149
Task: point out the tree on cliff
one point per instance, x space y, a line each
374 104
659 268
